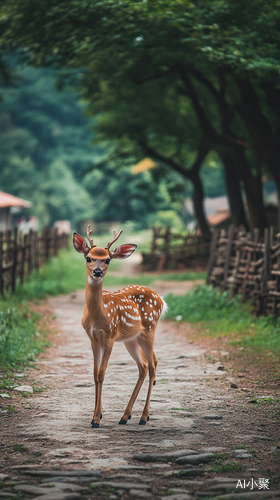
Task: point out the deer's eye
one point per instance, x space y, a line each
107 261
88 259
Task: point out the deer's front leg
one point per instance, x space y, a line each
101 354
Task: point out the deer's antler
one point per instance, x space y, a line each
89 238
116 236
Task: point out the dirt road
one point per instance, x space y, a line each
190 410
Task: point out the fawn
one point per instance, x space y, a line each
129 315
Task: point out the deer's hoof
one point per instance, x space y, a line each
94 425
142 422
122 421
154 382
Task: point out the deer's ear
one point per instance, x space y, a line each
123 251
80 244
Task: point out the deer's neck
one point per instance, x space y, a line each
94 300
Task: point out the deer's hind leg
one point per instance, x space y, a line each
137 354
146 342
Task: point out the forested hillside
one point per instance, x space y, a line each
47 156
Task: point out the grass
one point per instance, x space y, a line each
222 464
20 340
220 314
181 409
222 467
20 447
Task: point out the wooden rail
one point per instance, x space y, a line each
20 254
176 251
248 265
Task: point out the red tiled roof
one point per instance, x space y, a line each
8 200
219 216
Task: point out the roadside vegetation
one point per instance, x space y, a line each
22 336
220 314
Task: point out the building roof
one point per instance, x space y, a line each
8 200
210 205
221 215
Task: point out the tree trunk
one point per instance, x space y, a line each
234 192
198 197
193 175
253 190
274 166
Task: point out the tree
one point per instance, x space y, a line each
224 57
44 150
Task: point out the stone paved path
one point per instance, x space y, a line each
186 414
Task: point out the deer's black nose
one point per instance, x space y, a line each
97 272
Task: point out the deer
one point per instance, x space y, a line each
129 315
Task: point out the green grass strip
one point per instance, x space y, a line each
222 314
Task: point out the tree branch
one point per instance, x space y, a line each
209 131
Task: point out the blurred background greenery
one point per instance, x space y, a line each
193 86
47 157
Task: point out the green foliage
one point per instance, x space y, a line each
19 340
167 79
181 409
221 314
119 195
44 139
46 158
20 447
222 467
207 304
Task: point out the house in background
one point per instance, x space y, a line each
220 219
216 210
9 205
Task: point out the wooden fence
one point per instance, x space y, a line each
248 265
19 254
176 251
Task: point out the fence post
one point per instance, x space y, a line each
277 277
23 255
29 257
266 267
247 267
164 256
228 252
14 268
55 241
47 243
212 255
36 250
